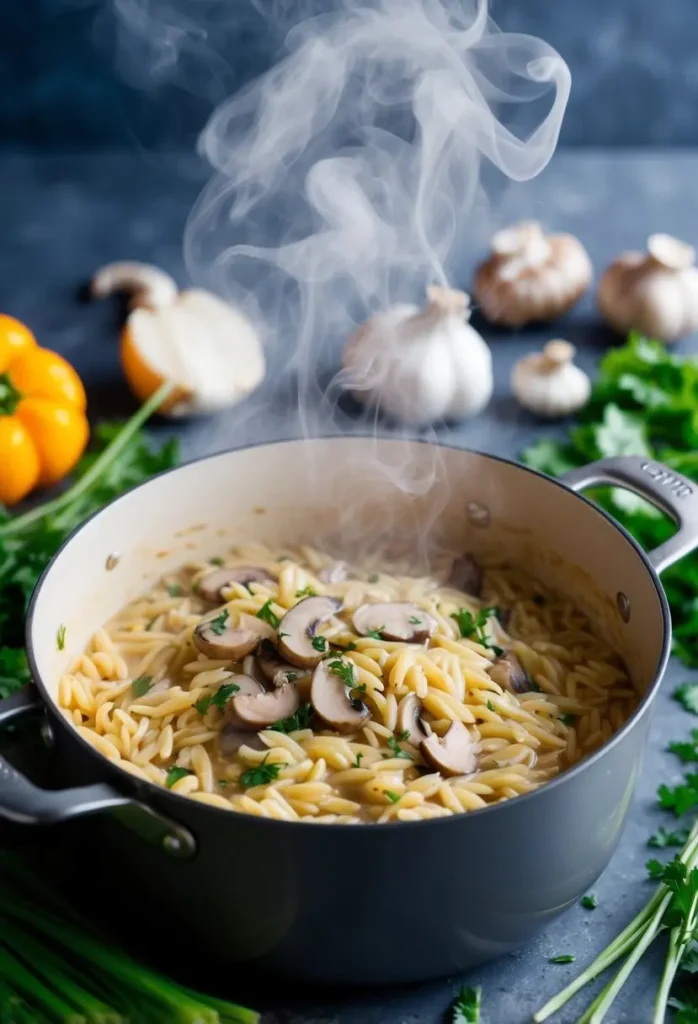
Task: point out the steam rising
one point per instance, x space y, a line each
348 176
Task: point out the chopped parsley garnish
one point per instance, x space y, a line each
218 699
60 637
393 797
687 694
357 762
415 620
397 749
681 798
466 1006
568 719
375 634
373 578
564 958
174 589
319 643
300 720
266 614
217 561
218 625
306 592
280 636
403 734
262 773
589 902
175 773
141 685
472 627
663 838
490 706
350 646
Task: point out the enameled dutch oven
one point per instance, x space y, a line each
363 904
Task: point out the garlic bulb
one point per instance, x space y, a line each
531 276
548 383
654 292
421 365
206 347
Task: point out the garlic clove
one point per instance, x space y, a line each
548 383
531 275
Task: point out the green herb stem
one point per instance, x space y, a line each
81 486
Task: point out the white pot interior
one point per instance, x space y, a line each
354 497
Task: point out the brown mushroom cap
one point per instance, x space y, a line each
409 720
394 620
298 627
210 586
219 639
453 754
333 702
257 711
510 673
268 660
466 575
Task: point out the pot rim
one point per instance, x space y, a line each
146 787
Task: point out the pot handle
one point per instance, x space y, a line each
24 803
668 490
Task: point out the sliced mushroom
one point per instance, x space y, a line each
335 573
298 627
409 720
210 586
218 639
232 737
510 673
263 709
269 662
453 754
250 667
235 732
300 678
395 620
333 702
467 575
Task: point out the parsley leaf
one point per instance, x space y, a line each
174 589
219 699
175 773
589 902
397 749
393 797
306 592
679 799
218 625
141 685
655 869
415 620
563 958
345 671
686 751
404 734
490 706
473 627
300 720
218 561
568 720
60 637
687 695
266 614
663 838
357 762
319 643
466 1006
262 773
375 634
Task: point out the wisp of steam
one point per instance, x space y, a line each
348 177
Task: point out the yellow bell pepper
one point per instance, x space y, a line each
43 427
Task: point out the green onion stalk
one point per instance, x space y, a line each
657 916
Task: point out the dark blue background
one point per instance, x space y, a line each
68 81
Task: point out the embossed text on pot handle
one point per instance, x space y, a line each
670 491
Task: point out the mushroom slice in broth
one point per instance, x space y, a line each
218 638
257 711
452 754
211 585
510 674
409 720
394 620
299 626
333 702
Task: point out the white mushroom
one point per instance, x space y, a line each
548 383
394 620
211 585
218 638
453 754
145 284
257 711
510 673
654 292
531 276
409 720
332 699
209 350
298 641
420 366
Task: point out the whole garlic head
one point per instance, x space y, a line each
654 292
548 383
531 276
421 365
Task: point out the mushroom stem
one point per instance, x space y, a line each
557 353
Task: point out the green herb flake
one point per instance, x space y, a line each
466 1006
141 685
375 634
687 696
174 589
373 578
415 620
306 592
357 762
589 902
219 699
403 734
679 799
563 958
393 797
175 773
218 561
319 643
350 646
262 774
60 637
655 869
266 614
568 720
473 627
397 749
490 706
345 671
663 838
687 751
219 624
300 720
223 783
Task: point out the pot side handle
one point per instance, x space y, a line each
668 490
24 803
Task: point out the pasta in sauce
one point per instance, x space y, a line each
517 677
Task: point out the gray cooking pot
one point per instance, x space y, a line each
331 903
